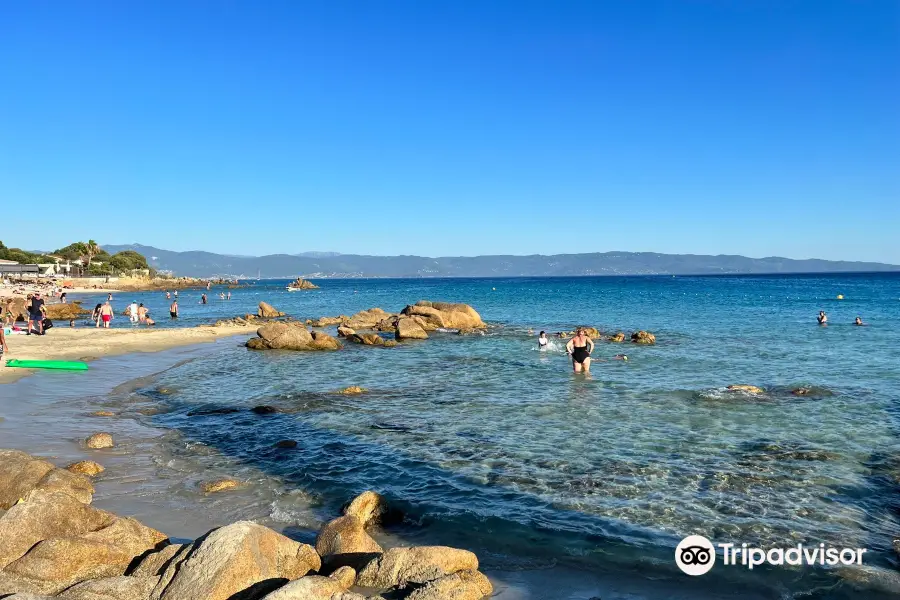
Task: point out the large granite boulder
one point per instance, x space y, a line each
344 541
112 588
367 319
21 473
267 311
236 561
52 541
345 331
464 585
410 329
366 339
291 336
446 314
302 284
421 564
65 312
316 587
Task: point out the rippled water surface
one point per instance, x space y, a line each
485 441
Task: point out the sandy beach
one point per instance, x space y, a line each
90 343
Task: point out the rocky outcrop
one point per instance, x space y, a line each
445 315
236 321
230 560
314 587
326 321
387 325
99 441
409 329
65 312
302 284
112 588
400 566
52 541
20 473
344 541
345 331
643 337
464 585
470 331
267 311
291 336
367 319
86 467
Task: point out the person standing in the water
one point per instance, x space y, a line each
580 348
173 309
542 340
822 318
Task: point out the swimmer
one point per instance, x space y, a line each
580 348
542 340
858 321
620 357
822 318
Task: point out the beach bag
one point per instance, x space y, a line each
47 324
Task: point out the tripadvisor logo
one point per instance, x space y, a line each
696 555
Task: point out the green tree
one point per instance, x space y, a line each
128 260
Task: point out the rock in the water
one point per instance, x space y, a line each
387 325
408 329
643 337
282 336
470 331
399 566
367 319
265 409
345 331
352 390
267 311
233 559
302 284
65 312
220 485
323 341
326 321
286 444
56 541
99 441
366 339
591 332
750 389
390 343
21 473
464 585
446 314
112 588
617 337
103 413
86 467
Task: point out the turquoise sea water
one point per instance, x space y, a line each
487 443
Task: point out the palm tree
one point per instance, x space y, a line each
91 249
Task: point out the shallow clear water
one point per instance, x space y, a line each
487 443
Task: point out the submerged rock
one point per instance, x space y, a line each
220 485
267 311
86 467
750 389
265 410
286 444
352 390
99 441
103 413
617 337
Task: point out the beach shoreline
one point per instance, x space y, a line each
90 343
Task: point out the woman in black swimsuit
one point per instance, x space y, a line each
580 348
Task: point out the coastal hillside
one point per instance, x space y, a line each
329 264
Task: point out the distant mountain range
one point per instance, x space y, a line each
332 264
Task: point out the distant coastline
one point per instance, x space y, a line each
352 266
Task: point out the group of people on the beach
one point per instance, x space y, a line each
822 318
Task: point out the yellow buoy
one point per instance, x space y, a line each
840 296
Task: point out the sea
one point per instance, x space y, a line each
566 486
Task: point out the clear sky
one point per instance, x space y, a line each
456 127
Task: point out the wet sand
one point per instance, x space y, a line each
91 343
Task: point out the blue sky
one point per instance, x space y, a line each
454 128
